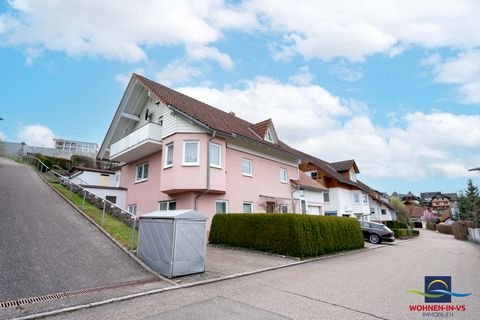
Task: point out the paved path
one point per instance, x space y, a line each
371 284
46 246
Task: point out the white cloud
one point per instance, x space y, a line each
308 117
36 136
177 72
204 52
464 71
356 29
345 73
303 77
118 30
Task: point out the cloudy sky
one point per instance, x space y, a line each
393 84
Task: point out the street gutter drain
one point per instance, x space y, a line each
68 294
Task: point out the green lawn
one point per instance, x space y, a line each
117 229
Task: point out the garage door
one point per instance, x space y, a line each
313 210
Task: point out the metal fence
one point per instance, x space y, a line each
43 168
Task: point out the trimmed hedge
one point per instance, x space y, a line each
431 226
444 228
405 233
460 229
396 225
288 234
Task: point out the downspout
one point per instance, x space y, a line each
208 172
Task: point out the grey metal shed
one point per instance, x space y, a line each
173 243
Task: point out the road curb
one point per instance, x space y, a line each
183 286
135 258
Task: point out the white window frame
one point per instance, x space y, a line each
283 206
282 176
226 206
185 142
143 172
328 195
249 204
269 136
353 175
132 208
356 195
364 198
167 202
168 147
219 146
250 174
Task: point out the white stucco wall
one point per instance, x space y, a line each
377 208
313 199
120 194
341 200
95 179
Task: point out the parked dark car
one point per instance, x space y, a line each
376 232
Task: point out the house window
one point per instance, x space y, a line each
372 210
132 208
247 167
221 206
346 215
326 196
142 172
214 153
167 205
191 153
168 155
247 207
384 211
331 213
283 175
365 199
304 206
270 207
112 199
284 208
269 136
353 175
356 198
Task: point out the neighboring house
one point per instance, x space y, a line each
345 196
416 215
409 199
440 202
180 153
73 147
380 208
104 183
310 194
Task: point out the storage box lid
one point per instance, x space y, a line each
188 214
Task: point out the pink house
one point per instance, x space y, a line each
180 153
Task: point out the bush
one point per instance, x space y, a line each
402 233
288 234
431 226
444 228
396 225
460 229
415 233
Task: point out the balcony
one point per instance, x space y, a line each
138 144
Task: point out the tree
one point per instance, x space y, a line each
400 208
469 204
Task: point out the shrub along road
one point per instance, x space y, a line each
46 246
371 284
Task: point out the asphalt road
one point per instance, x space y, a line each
46 246
371 284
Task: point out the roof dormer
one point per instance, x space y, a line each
265 130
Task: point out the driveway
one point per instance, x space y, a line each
46 246
371 284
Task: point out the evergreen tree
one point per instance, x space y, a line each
469 204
